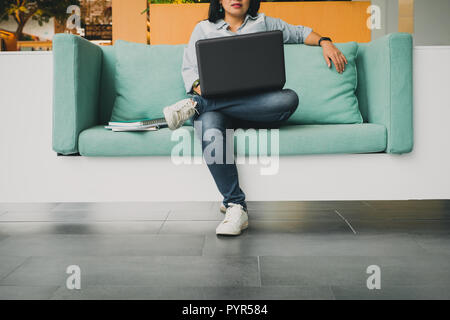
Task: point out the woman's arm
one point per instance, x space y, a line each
189 68
291 33
330 52
198 89
301 34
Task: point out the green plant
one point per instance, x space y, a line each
40 10
172 1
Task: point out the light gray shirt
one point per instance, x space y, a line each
206 29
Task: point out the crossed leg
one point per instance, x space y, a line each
268 109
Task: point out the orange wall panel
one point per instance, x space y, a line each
342 21
128 22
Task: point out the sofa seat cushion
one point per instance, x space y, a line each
294 140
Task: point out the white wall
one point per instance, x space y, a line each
432 22
31 171
389 17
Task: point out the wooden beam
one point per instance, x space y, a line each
341 20
406 16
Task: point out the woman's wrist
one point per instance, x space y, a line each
196 83
324 40
197 90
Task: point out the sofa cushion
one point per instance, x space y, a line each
148 78
325 96
294 140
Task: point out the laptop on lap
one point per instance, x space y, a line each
241 64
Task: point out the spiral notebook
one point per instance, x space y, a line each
137 125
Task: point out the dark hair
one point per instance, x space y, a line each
214 6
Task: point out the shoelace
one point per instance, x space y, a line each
190 105
184 111
193 107
233 213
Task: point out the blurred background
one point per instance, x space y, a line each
29 25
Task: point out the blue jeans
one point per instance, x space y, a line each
259 110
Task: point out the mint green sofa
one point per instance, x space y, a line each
84 95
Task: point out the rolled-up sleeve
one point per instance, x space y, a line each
189 68
291 33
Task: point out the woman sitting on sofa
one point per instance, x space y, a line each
267 109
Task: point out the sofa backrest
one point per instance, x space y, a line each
107 87
382 64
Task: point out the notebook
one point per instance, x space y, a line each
137 125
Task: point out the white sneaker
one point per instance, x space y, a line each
222 208
236 220
177 113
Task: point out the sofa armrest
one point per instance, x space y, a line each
76 80
385 88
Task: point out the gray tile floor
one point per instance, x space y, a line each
292 250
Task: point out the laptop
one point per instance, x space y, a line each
241 64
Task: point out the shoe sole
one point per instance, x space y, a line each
169 120
244 226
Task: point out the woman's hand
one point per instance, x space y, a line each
198 90
331 53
